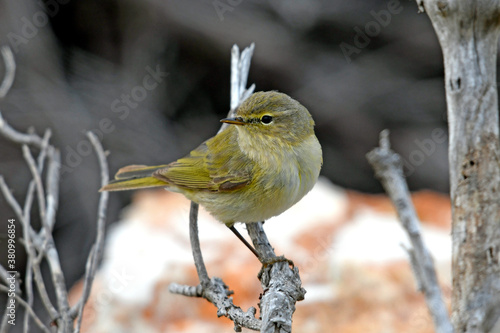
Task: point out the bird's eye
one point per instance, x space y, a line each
266 119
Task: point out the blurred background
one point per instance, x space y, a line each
151 78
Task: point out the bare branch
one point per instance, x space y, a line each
103 199
10 199
388 168
240 66
280 282
11 134
87 286
4 275
235 77
96 252
39 188
10 71
195 245
28 201
190 291
214 290
468 32
3 325
217 293
260 241
29 249
43 242
29 233
52 187
28 282
52 256
42 290
50 250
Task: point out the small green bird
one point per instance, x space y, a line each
249 172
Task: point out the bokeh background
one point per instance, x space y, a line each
359 66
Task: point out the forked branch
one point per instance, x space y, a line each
389 169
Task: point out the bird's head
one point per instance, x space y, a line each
272 117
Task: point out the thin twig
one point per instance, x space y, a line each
244 70
195 245
11 134
3 325
214 290
10 71
51 253
240 67
52 182
29 290
10 199
388 168
235 77
36 238
42 291
36 269
28 201
59 283
96 252
87 286
182 289
39 188
38 276
4 275
217 292
31 239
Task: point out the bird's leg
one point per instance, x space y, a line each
241 238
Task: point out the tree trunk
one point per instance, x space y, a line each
468 31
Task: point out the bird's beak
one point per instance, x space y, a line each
234 121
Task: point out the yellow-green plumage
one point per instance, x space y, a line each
249 172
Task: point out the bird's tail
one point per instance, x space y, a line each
134 177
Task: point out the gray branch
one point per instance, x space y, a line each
11 134
389 169
49 250
468 32
96 251
30 248
40 245
280 282
195 245
213 290
10 70
240 67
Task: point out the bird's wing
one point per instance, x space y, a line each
215 165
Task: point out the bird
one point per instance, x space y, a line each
264 162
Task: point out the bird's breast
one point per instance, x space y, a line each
284 176
281 176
